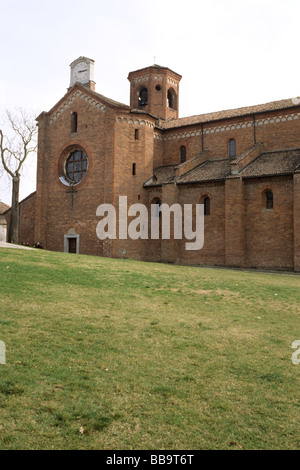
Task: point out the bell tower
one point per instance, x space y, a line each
155 90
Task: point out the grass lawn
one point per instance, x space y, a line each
118 354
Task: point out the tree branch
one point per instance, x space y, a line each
3 150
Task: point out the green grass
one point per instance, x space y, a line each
145 356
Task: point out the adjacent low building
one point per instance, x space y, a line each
3 224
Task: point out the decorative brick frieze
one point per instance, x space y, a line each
78 94
231 127
135 122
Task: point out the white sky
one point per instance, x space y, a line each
231 53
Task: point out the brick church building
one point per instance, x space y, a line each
242 164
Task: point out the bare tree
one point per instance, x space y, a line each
15 148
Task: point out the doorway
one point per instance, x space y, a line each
71 241
72 245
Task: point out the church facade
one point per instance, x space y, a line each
242 164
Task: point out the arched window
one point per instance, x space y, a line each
155 225
232 148
74 121
182 154
143 97
172 100
268 199
206 202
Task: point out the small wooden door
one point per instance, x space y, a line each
72 245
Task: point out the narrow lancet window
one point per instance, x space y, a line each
206 202
182 154
74 122
269 200
232 148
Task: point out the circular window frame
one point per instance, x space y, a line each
62 166
72 154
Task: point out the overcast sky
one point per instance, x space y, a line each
231 53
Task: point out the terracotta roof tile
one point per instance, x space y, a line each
231 113
107 100
283 162
161 174
154 67
210 170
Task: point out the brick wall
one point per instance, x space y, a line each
216 135
60 208
124 147
26 221
158 81
212 252
269 240
296 213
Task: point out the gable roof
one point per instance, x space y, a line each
231 113
109 101
90 93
